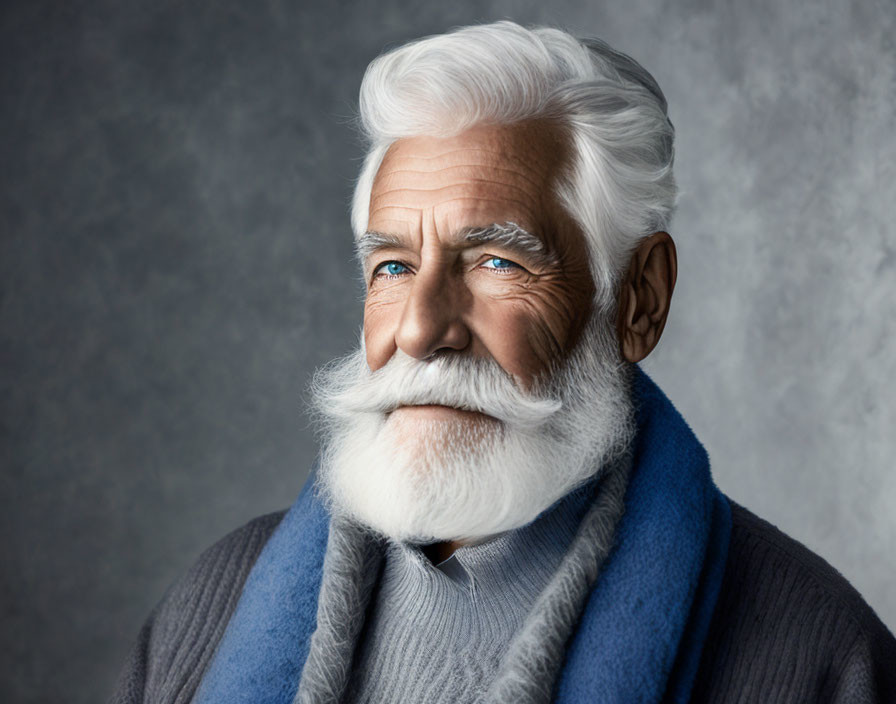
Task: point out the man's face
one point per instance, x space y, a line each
479 298
442 281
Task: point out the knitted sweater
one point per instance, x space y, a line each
434 638
787 627
763 619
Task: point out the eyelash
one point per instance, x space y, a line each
513 265
501 271
383 265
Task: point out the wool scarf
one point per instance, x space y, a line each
640 635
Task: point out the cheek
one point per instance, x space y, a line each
516 335
527 329
567 305
381 316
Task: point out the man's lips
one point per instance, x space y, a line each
435 411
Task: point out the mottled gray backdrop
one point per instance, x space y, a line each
176 260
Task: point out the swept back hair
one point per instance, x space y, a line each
619 186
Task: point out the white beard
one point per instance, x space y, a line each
464 480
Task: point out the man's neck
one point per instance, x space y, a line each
439 552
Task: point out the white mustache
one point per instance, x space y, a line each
459 381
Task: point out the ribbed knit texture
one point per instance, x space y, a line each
787 627
436 638
176 644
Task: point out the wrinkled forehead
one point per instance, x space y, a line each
485 175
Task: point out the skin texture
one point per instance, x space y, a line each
430 292
426 192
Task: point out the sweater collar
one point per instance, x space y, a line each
507 557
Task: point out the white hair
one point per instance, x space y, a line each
619 187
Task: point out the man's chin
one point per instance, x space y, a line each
432 430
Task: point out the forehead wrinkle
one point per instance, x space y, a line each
524 175
523 204
402 192
529 166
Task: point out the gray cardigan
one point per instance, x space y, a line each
787 627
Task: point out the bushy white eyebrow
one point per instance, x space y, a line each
513 237
508 235
372 241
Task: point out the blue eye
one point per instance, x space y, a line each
391 268
498 263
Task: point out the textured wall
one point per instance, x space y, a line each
175 260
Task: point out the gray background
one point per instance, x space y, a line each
176 260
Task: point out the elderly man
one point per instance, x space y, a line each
506 509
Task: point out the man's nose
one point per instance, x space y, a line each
432 316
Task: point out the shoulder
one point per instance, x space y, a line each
178 639
761 555
228 560
217 577
789 627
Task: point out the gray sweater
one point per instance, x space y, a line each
787 627
431 637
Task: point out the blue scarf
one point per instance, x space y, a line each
642 631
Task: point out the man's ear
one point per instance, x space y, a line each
645 294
